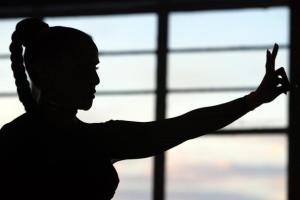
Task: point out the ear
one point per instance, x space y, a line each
36 92
44 78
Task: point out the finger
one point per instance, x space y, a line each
271 66
284 81
268 62
280 90
281 72
274 52
280 82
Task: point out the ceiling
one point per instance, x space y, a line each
21 8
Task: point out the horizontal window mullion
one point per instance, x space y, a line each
4 56
225 49
252 131
120 92
214 89
126 92
126 53
181 50
8 94
143 92
108 53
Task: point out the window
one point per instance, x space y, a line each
216 57
10 106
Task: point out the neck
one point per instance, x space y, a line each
57 115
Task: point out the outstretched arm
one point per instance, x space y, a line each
126 140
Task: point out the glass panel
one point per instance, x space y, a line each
135 175
228 167
131 108
10 108
226 69
229 28
7 81
135 179
120 32
271 115
127 72
7 26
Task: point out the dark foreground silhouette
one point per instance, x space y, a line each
48 153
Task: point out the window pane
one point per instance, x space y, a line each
135 179
227 28
7 81
10 108
271 115
228 167
7 26
120 32
118 107
230 69
127 72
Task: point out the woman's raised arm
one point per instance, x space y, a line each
128 140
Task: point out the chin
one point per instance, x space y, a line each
86 106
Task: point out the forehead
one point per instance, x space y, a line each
88 53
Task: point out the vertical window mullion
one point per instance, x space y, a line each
294 106
161 90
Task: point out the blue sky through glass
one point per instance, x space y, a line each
229 28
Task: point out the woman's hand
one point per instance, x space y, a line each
273 84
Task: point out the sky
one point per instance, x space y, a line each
210 167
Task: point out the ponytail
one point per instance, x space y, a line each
24 35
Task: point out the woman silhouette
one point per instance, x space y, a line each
48 153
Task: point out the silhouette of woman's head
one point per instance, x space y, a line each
60 61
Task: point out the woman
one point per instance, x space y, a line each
49 153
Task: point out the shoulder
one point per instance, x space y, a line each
105 130
110 125
18 124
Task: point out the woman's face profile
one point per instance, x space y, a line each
75 83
